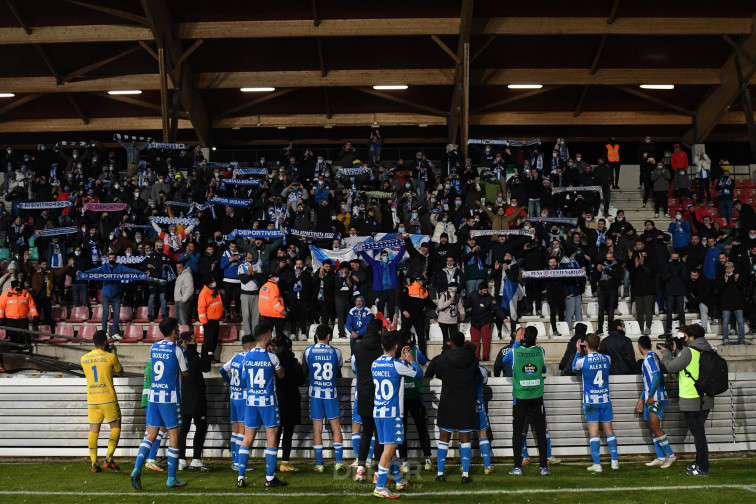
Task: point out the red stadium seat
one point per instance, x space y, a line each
63 330
97 314
749 183
736 193
58 313
228 334
3 335
738 183
78 314
153 334
40 338
125 314
199 334
133 334
86 332
141 315
746 192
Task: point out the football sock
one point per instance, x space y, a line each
612 442
659 451
525 446
485 451
242 457
465 454
92 443
394 469
664 444
115 435
144 449
173 454
371 451
356 444
155 446
595 446
338 449
270 462
548 444
318 454
443 449
382 477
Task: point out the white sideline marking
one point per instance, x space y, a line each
750 488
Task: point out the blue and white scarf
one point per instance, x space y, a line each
244 182
316 235
179 221
556 220
496 232
55 231
130 259
255 233
179 204
234 202
44 205
375 245
123 277
134 226
508 143
250 171
555 273
228 166
595 188
81 143
128 138
169 146
352 171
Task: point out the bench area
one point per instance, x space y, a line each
46 417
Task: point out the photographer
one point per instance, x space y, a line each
696 408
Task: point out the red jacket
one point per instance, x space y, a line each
679 160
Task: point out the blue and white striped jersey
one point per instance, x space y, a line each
168 362
480 381
595 369
653 379
323 361
388 377
259 377
234 370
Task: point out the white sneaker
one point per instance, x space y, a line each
354 464
117 337
615 464
656 214
595 468
197 465
657 462
384 493
183 464
360 475
553 460
668 461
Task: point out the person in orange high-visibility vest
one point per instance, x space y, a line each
271 304
210 311
612 156
16 305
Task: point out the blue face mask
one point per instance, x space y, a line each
401 231
384 258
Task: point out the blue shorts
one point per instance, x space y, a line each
482 420
598 412
390 430
451 431
324 408
356 418
166 415
658 408
238 407
254 416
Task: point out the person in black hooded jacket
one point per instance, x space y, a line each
565 365
287 391
457 369
620 350
193 403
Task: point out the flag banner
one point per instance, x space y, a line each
130 259
228 166
353 171
251 171
496 232
376 245
316 235
507 143
380 194
56 231
128 138
593 188
123 277
336 256
511 294
178 221
245 182
556 220
169 146
234 202
555 273
44 205
255 233
105 207
81 143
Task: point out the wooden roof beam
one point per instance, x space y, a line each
19 17
455 108
128 16
445 48
655 100
256 101
139 103
77 108
48 63
718 101
402 101
18 102
512 99
94 66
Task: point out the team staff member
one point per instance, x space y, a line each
16 305
164 409
414 405
272 309
99 367
194 404
528 372
210 311
685 362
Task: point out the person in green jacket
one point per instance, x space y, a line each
415 405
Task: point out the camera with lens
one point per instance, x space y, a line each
673 343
